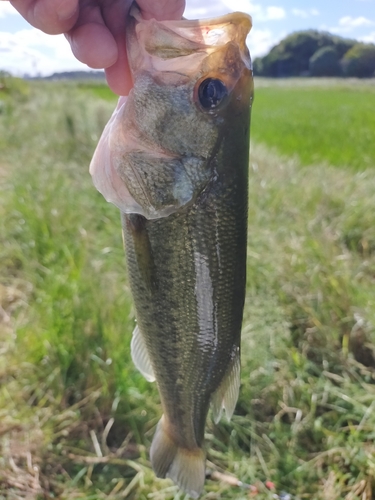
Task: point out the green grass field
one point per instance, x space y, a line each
331 124
77 419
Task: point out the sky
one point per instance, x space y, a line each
26 50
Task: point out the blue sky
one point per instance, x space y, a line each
24 49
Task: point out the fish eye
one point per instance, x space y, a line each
211 93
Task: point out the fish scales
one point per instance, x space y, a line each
174 158
193 307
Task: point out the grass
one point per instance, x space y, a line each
319 123
76 419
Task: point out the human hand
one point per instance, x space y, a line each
95 29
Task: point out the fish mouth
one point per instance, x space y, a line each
183 47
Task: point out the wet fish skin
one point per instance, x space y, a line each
185 169
189 304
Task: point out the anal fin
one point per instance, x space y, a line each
140 356
225 397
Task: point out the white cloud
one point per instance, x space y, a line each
210 8
300 13
355 22
304 14
6 9
274 13
260 41
348 24
368 38
242 5
257 11
196 12
35 53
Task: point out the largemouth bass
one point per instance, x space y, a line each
174 159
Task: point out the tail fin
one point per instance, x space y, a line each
185 467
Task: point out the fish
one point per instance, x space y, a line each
174 159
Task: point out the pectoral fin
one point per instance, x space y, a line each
226 395
140 356
134 225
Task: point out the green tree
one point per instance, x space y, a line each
291 57
359 61
325 62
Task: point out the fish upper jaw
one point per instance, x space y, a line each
182 46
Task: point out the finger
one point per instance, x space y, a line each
118 76
91 41
93 44
50 16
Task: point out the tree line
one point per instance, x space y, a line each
315 53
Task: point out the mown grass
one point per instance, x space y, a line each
331 123
76 419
